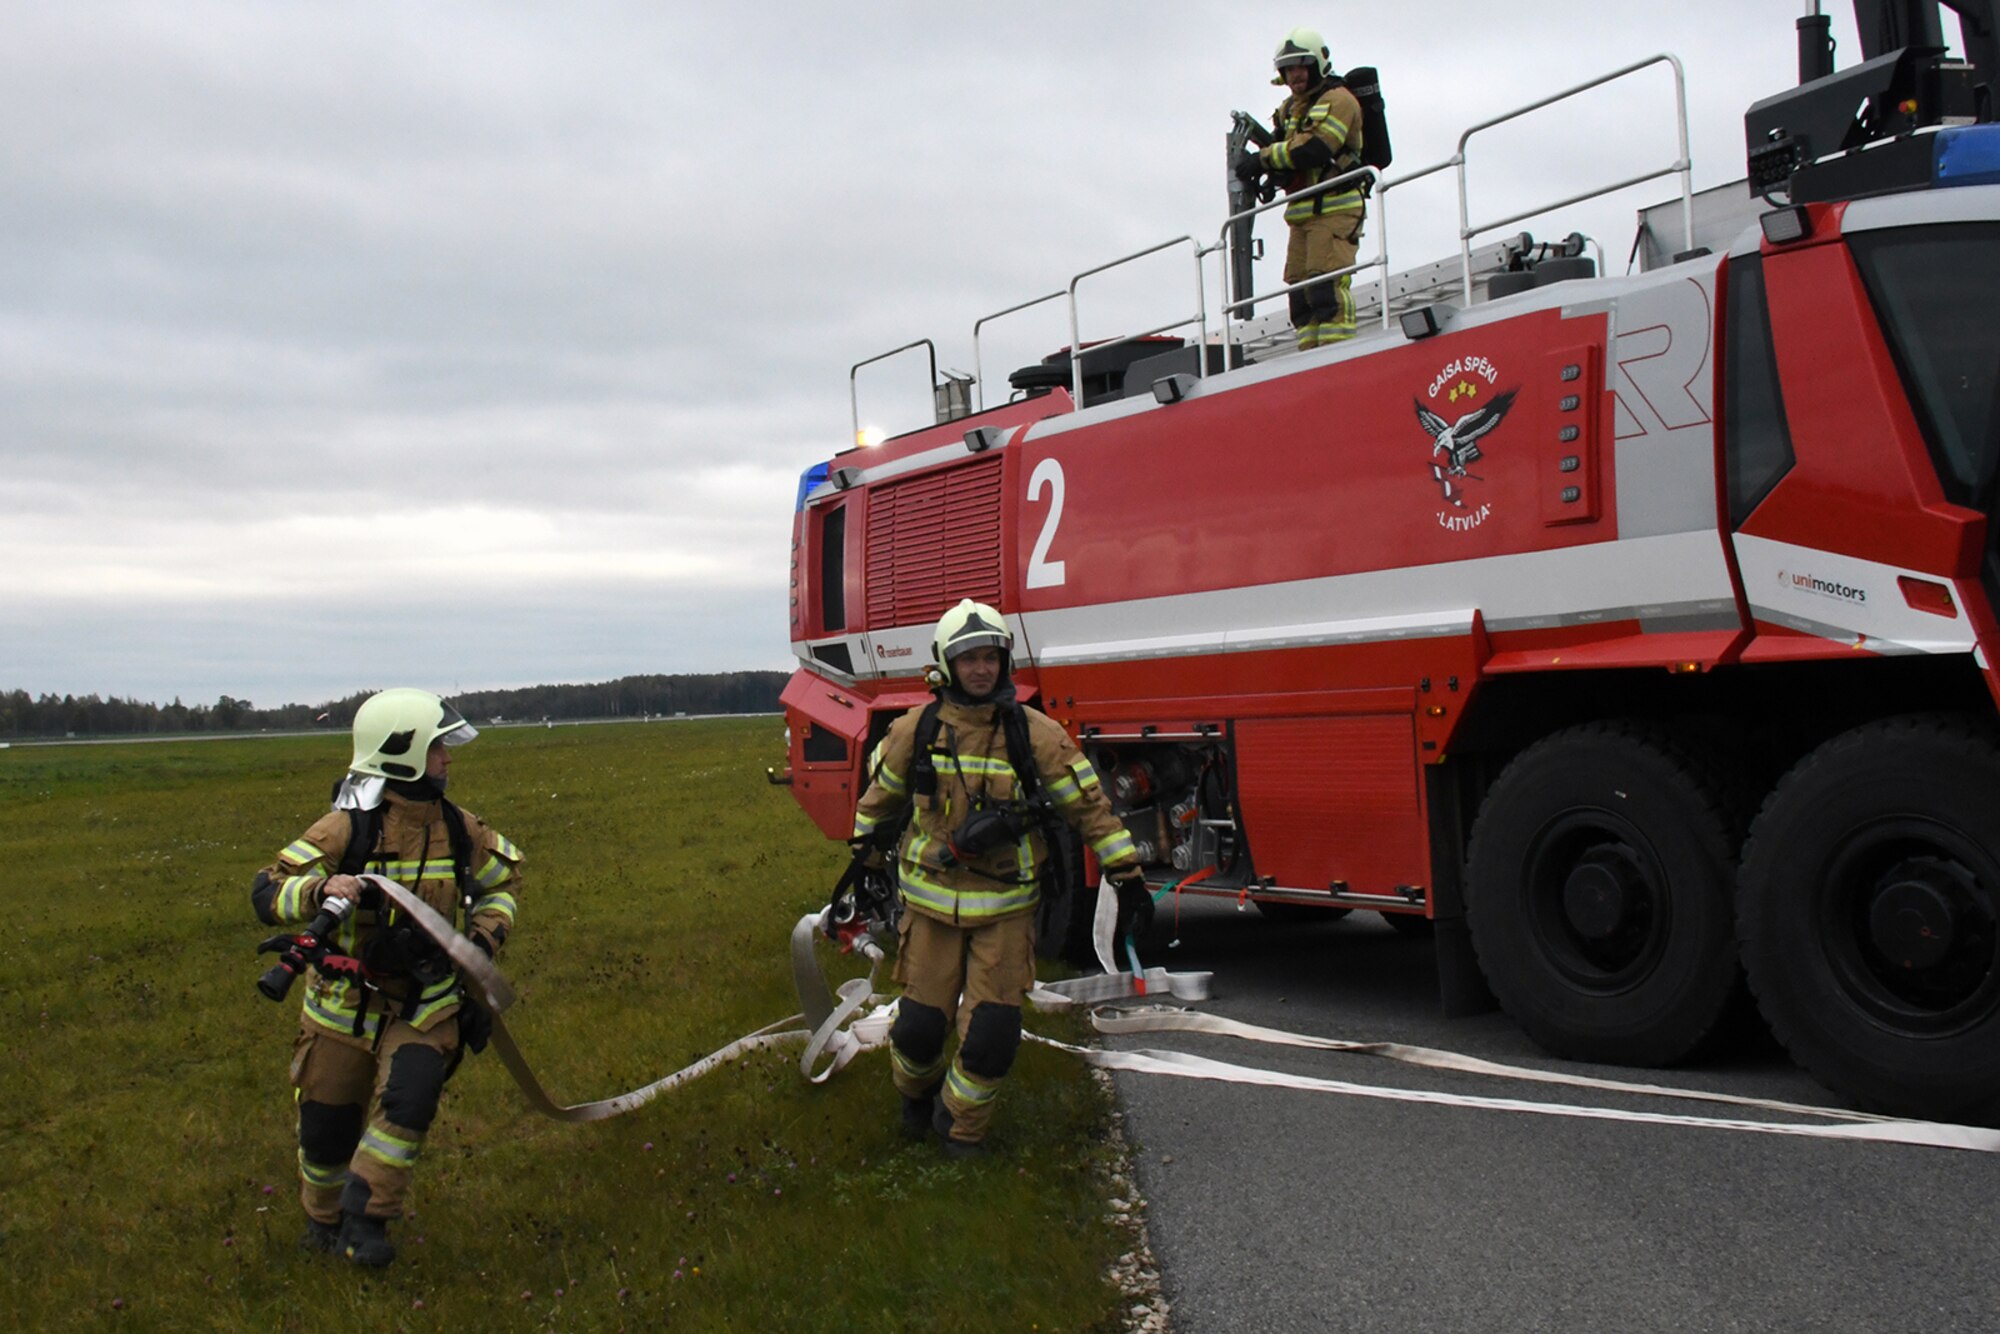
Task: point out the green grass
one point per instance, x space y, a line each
148 1123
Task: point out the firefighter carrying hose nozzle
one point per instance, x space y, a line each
980 777
1316 137
386 1019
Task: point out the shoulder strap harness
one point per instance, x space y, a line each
364 831
1020 752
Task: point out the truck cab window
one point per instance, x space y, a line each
1756 439
1935 290
833 570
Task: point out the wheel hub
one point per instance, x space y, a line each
1600 891
1913 917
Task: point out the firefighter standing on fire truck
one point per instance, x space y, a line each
1317 137
371 1060
970 864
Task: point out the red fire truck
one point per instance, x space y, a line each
1635 634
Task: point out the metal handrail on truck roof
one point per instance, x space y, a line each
1681 164
853 395
1376 204
1200 316
978 367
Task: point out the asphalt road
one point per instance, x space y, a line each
1275 1209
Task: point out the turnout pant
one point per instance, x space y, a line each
974 978
363 1114
1323 314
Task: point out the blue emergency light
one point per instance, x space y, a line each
1968 155
809 481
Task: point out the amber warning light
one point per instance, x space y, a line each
1923 595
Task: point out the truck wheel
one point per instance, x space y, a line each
1870 917
1598 895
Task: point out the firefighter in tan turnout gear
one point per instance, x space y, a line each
1317 136
979 774
374 1051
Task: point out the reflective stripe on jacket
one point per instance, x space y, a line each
413 849
1314 131
970 757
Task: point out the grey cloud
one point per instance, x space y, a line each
259 261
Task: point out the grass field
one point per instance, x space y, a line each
148 1176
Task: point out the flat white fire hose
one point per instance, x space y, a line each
493 991
836 1026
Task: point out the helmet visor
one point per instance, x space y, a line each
965 643
453 729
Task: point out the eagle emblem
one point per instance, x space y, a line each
1456 444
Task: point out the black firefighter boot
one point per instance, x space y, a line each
320 1236
363 1240
942 1122
917 1113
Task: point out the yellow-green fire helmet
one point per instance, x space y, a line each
1302 46
393 731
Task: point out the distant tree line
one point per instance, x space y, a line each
23 715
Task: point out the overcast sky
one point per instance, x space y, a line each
478 345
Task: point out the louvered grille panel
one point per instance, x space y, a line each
932 540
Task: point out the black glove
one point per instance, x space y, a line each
1246 164
1135 901
874 896
475 1025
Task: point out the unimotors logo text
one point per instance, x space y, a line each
887 651
1826 588
1463 388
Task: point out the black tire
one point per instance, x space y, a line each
1307 913
1870 917
1414 925
1598 886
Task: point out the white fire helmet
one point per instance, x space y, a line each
969 625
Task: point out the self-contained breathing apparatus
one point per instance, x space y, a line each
397 948
989 824
865 899
1248 136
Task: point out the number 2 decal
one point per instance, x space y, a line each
1043 572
